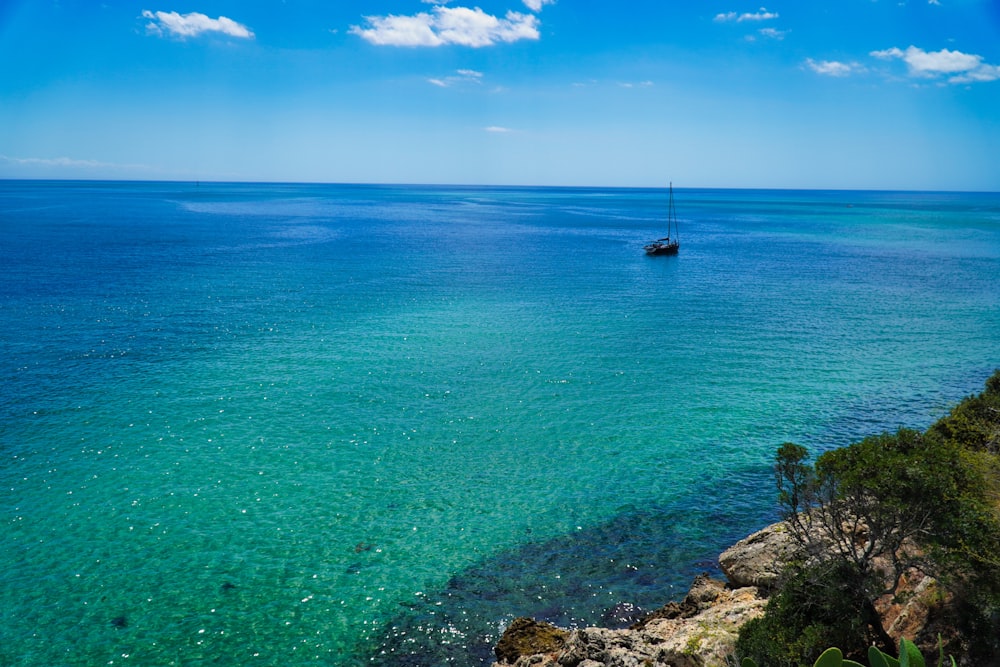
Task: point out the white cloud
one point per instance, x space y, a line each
461 76
536 5
980 74
54 162
772 33
70 163
922 62
496 129
964 67
761 15
833 67
193 24
399 31
448 25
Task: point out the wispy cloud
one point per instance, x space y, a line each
772 33
981 74
71 163
536 5
448 25
640 84
460 76
761 15
496 129
955 66
192 25
833 67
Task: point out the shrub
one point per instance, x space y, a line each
975 422
816 607
909 656
867 513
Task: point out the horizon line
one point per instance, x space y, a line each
198 182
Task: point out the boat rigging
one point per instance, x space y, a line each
668 245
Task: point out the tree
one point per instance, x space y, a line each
866 514
857 507
876 503
885 505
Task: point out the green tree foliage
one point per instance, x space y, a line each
975 422
909 656
882 502
816 607
867 513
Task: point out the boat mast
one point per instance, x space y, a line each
672 215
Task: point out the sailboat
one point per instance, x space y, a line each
668 245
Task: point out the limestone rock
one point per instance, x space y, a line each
701 630
919 612
758 560
703 592
701 634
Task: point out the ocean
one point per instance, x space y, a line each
282 424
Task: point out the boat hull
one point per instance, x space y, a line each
662 248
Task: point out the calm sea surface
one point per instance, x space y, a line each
350 425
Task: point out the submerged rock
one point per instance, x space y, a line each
528 637
622 614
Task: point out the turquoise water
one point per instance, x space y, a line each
300 424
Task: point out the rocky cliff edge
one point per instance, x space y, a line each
701 630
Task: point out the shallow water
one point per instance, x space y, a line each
282 424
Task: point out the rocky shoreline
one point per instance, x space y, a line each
701 630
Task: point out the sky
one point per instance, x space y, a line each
839 94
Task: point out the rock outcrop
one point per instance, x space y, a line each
701 630
757 560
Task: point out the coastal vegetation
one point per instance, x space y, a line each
889 544
909 656
869 517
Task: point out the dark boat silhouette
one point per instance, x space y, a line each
668 245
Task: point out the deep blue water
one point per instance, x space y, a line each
289 424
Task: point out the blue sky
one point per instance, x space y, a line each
720 93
